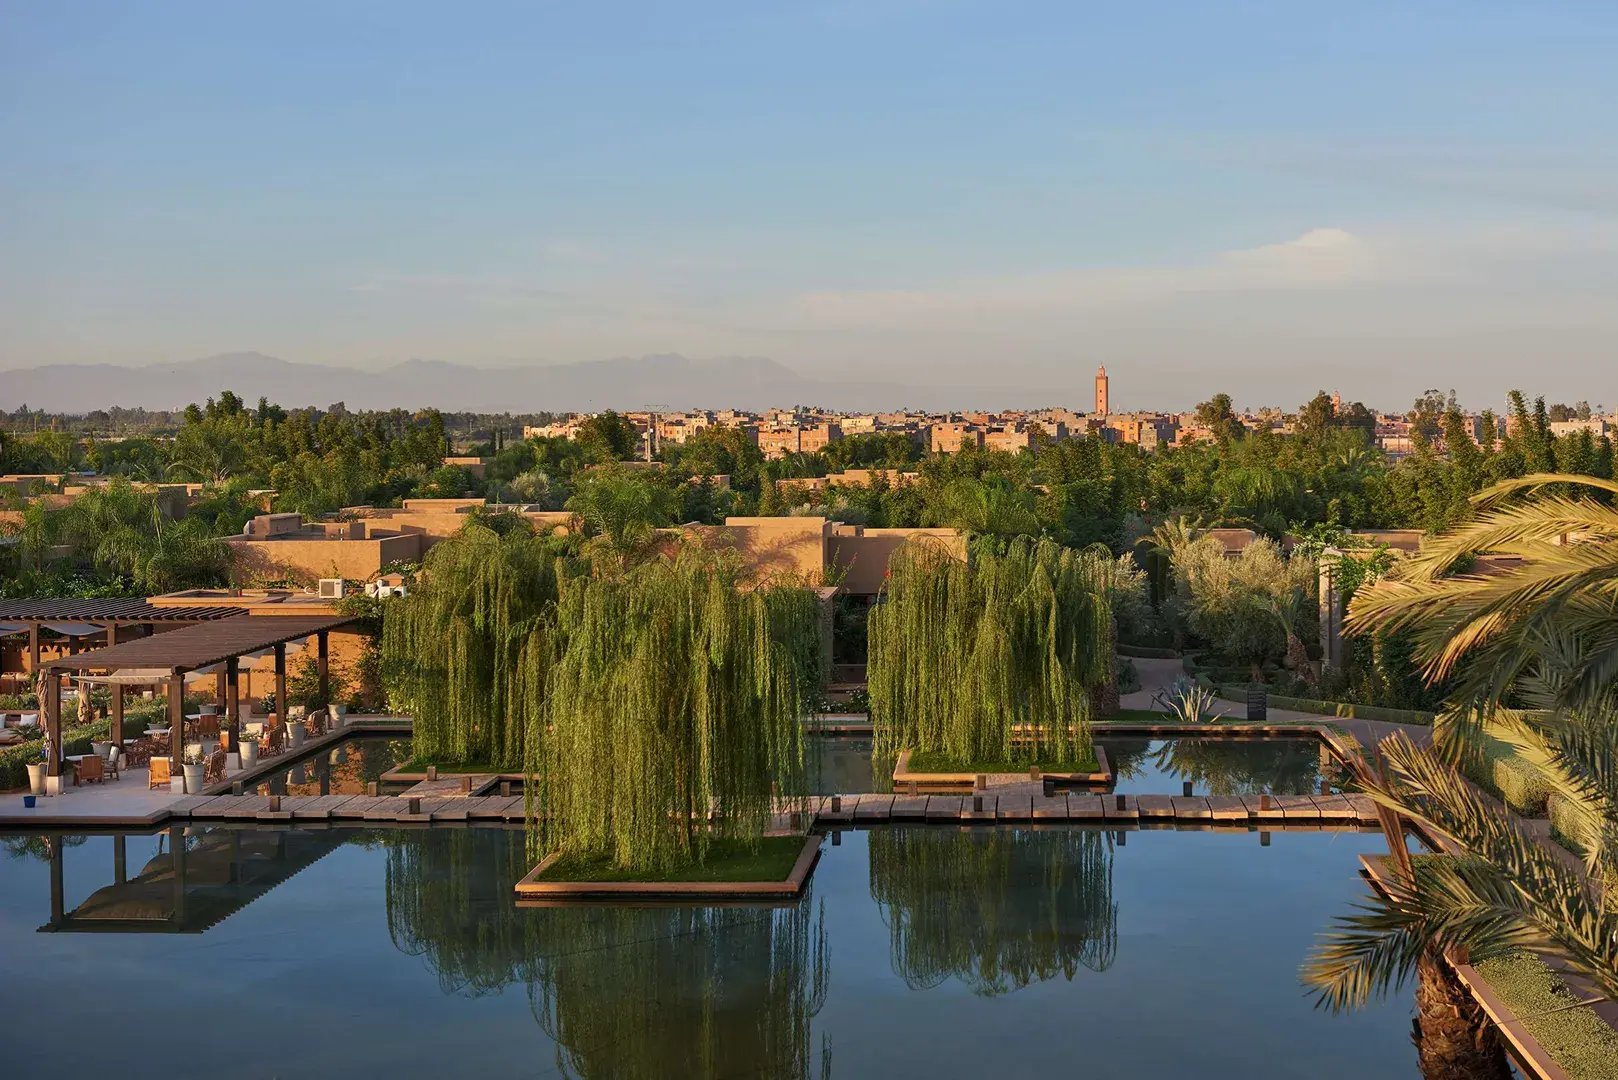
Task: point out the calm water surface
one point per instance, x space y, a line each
842 765
922 950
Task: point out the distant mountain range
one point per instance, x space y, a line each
667 381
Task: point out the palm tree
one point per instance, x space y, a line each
1289 608
1562 581
622 511
1531 649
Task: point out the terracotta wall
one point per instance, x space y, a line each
862 554
306 561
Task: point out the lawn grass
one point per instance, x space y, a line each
932 761
1578 1039
771 859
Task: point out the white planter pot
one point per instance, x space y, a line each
339 715
193 779
36 778
177 783
249 753
297 732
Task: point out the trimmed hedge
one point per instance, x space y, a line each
1499 772
1333 708
1147 652
75 740
1578 1039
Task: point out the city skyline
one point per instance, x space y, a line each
1259 201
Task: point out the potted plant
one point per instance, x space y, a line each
194 769
249 750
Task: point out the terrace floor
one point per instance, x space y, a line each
130 800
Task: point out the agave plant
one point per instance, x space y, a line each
1191 702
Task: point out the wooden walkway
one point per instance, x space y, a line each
1112 811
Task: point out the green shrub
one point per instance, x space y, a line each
1128 677
1576 1038
1517 784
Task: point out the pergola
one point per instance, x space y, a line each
168 658
111 619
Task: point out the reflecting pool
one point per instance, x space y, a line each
917 950
1223 766
344 769
842 765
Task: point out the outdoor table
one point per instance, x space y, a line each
75 759
156 731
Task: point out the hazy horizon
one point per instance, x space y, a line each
1265 201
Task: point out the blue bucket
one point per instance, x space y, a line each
30 801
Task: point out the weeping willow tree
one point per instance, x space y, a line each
629 992
467 652
449 901
672 695
992 659
997 909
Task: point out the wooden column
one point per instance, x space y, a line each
33 653
233 702
281 682
117 733
323 662
176 724
219 689
53 723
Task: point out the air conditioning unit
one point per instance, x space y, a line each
331 588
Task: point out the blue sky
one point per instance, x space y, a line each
1262 197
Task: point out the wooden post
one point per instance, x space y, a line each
116 735
219 689
323 660
33 652
53 723
233 702
281 682
176 724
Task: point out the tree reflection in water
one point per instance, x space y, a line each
681 991
1229 766
623 991
450 901
996 908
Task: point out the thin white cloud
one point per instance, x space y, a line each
1321 257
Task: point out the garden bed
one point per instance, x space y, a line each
777 868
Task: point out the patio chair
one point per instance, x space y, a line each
273 742
160 773
317 723
113 758
208 725
91 769
215 770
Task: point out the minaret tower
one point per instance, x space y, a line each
1103 406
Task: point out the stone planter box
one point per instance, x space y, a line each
532 892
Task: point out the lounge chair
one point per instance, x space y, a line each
160 773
